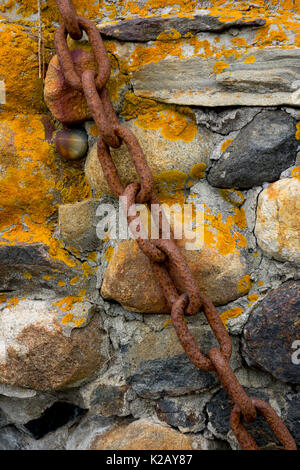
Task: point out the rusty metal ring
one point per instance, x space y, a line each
143 241
181 274
232 385
95 104
65 59
109 168
139 160
275 422
70 18
189 343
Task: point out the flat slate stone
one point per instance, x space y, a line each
262 150
219 409
147 29
271 77
272 330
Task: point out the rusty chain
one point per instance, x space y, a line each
167 262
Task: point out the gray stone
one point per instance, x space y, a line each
271 332
34 269
12 439
261 151
147 29
87 430
272 79
185 413
19 411
226 121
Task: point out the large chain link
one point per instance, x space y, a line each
167 262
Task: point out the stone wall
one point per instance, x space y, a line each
88 355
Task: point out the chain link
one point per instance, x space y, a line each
166 260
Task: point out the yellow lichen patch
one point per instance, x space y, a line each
231 313
66 303
220 66
12 302
78 323
221 235
244 285
226 144
27 275
260 283
61 283
47 277
92 256
297 131
67 318
169 35
174 122
108 254
198 170
295 173
74 281
19 70
233 196
252 298
250 60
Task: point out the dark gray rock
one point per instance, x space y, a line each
157 366
147 29
219 409
260 152
31 268
271 332
186 413
293 416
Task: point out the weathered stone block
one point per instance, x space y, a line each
277 226
260 152
272 329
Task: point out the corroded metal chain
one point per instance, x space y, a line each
167 262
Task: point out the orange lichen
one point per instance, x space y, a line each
250 60
231 313
253 298
174 122
198 170
244 284
108 254
226 144
61 283
297 131
220 66
295 173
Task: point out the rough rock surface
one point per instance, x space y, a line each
185 413
270 79
163 156
36 354
141 435
277 226
273 332
219 410
260 152
147 29
129 278
157 365
77 225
